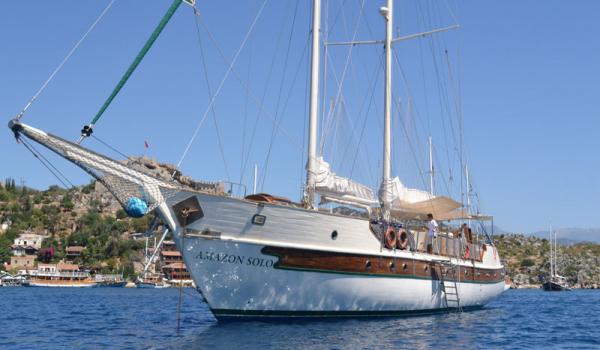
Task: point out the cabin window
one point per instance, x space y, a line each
334 234
368 264
392 266
404 266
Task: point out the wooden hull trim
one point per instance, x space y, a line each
379 266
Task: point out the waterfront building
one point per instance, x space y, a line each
21 262
73 252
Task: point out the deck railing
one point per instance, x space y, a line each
446 245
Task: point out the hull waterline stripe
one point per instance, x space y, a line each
236 314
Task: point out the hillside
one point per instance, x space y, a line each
80 216
527 259
87 216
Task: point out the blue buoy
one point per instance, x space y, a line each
136 207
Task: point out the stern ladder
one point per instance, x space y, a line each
450 285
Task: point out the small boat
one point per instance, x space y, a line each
555 282
60 275
151 281
113 280
8 280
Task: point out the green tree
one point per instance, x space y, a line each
527 262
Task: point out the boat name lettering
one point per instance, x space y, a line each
235 259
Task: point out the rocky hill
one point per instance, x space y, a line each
528 259
84 216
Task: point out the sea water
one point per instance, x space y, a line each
57 318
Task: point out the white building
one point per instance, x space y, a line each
29 240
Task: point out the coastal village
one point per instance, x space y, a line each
81 237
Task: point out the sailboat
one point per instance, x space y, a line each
554 282
266 256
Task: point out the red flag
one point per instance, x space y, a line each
146 145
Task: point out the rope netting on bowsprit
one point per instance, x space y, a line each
136 190
137 199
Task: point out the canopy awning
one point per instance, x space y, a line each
442 208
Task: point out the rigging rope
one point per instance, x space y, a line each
260 104
62 63
341 83
87 130
106 144
210 95
229 69
46 163
281 83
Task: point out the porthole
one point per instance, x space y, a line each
368 264
392 266
404 266
466 272
426 268
334 234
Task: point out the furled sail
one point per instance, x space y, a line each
334 188
406 203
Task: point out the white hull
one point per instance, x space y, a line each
245 282
237 279
62 285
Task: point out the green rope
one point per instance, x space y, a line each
138 58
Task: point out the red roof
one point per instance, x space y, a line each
67 267
177 265
170 253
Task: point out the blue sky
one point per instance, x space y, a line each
522 77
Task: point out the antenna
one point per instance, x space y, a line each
255 177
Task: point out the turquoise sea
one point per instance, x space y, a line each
47 318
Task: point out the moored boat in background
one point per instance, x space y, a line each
60 275
554 282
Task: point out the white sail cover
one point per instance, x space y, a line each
339 189
404 202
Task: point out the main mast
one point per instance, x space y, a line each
313 106
388 13
430 166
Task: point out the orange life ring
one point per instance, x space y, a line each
390 238
402 242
